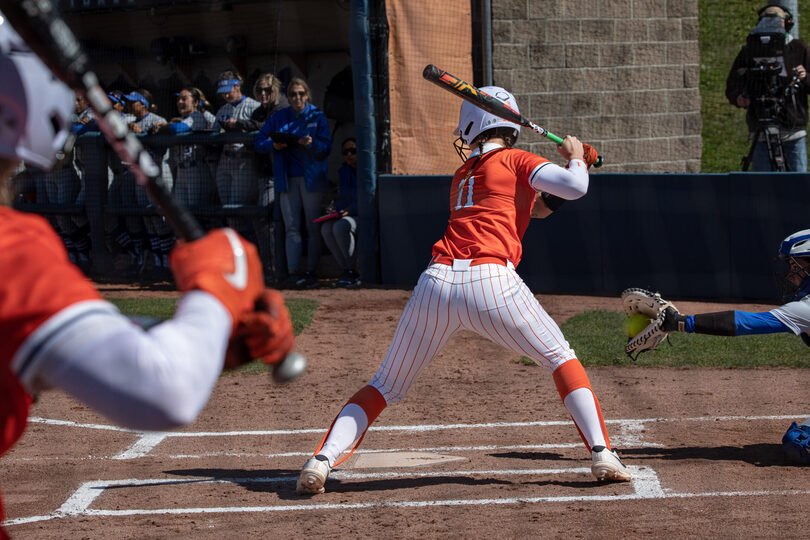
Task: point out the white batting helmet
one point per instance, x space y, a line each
472 120
35 107
795 245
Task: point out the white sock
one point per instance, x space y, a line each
581 405
350 424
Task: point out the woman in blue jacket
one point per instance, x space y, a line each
300 167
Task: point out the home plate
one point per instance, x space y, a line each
387 460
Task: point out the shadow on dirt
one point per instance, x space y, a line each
538 456
282 482
760 455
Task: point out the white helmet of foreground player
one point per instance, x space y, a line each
795 251
35 107
472 120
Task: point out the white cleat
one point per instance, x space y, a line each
313 476
607 466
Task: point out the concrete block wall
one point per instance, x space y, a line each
620 74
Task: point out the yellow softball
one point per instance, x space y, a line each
635 323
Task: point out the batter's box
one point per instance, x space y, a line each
84 500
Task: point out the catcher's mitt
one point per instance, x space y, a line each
652 306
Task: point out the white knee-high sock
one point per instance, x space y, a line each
350 424
582 407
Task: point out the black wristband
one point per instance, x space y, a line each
673 321
552 201
720 323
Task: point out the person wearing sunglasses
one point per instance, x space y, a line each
300 139
340 233
266 90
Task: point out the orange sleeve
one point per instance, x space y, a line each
38 278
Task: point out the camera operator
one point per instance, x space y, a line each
769 79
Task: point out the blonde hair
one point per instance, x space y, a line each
775 10
266 79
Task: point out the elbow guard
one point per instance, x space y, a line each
552 201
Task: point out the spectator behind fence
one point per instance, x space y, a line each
66 186
212 151
300 136
124 232
340 233
769 79
158 233
62 186
236 175
266 90
205 107
193 184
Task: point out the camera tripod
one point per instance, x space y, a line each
773 141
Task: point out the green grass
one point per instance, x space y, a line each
723 27
301 311
598 338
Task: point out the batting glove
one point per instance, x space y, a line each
266 333
223 264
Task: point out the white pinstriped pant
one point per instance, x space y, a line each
488 299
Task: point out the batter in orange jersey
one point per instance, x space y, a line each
472 284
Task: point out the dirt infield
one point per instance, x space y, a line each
702 443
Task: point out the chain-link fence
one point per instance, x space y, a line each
108 224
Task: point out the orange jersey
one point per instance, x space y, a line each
490 205
38 281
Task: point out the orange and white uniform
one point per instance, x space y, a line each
59 332
471 284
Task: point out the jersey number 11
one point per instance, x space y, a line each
460 201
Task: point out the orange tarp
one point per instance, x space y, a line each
423 116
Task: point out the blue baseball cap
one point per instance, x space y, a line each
115 98
135 96
225 85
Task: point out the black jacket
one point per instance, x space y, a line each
264 162
742 81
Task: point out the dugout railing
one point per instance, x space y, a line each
81 208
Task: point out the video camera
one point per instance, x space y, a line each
768 85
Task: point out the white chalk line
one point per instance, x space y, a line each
631 427
630 436
645 485
617 442
424 427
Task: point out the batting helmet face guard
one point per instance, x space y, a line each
35 107
795 252
472 120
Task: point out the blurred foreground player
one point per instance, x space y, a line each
58 332
471 284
